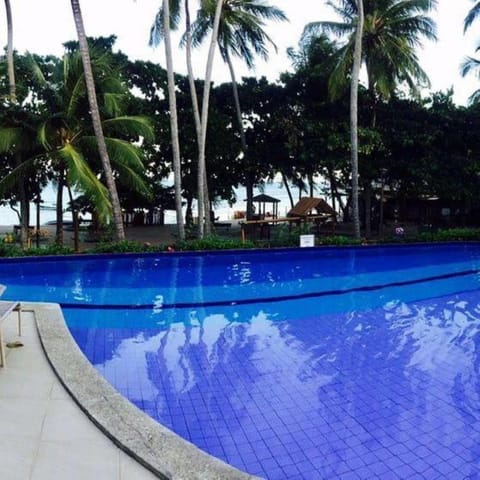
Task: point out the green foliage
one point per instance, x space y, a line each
9 250
450 235
212 243
338 240
286 236
207 243
124 246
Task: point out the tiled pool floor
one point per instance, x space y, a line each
391 393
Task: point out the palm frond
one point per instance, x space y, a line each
122 152
83 179
339 78
241 30
9 182
474 98
113 103
9 138
472 15
468 65
77 94
131 125
35 69
156 30
133 180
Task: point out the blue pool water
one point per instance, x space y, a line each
293 364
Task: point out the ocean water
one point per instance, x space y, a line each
8 216
223 210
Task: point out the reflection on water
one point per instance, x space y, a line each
391 392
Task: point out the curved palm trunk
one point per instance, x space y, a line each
195 107
22 192
243 139
203 201
357 60
24 209
96 121
191 77
59 207
287 188
10 64
172 102
76 223
367 187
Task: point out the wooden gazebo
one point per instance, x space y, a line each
262 201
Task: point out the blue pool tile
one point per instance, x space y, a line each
380 414
291 471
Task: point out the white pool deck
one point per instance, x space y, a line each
44 434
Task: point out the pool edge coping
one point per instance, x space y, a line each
154 446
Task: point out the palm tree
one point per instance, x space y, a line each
200 116
357 61
241 34
156 36
392 30
96 121
165 21
203 200
64 138
22 193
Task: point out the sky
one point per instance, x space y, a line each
42 27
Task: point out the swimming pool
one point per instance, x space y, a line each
311 363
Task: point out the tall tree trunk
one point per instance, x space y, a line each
38 202
10 64
357 60
287 187
76 223
367 182
24 209
191 77
332 181
196 108
243 138
22 191
311 184
96 121
172 102
203 201
367 191
59 206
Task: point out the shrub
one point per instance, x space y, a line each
338 240
124 246
447 235
288 236
17 251
212 242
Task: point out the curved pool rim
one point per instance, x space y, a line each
157 448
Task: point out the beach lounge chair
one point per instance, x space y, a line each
6 308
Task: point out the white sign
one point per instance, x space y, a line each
307 240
